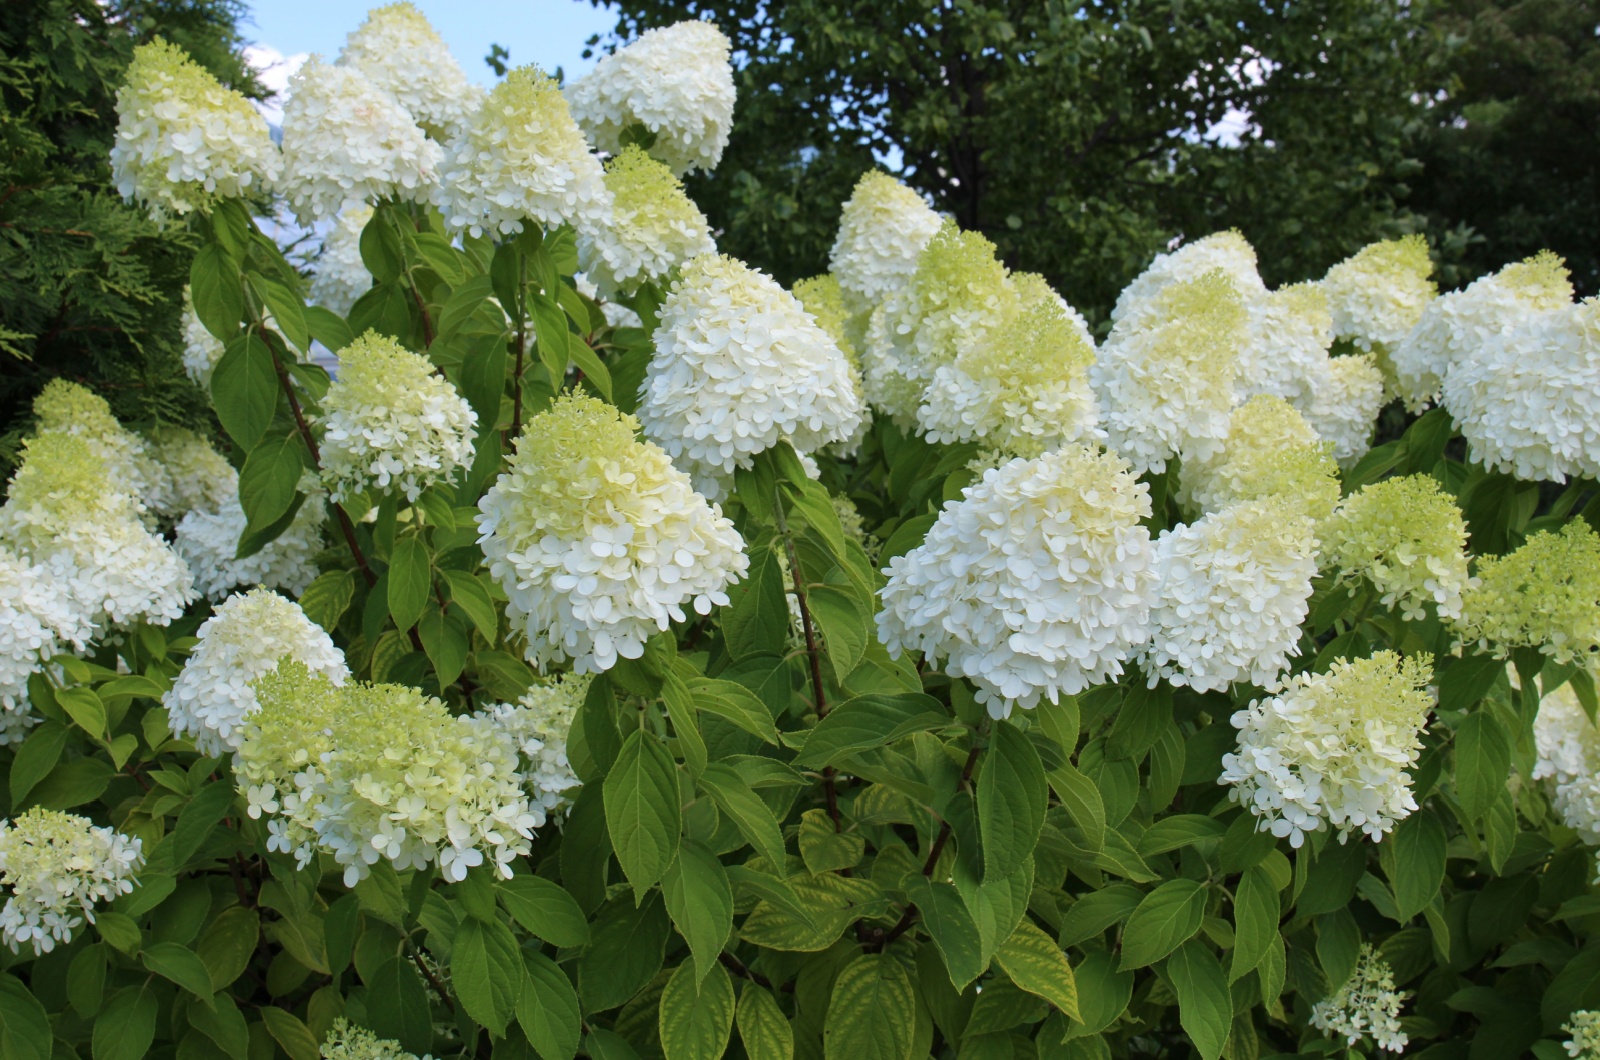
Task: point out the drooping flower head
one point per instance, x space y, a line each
184 142
883 229
1568 748
598 540
1584 1027
57 866
1456 326
675 81
1270 451
740 366
1407 538
1037 582
391 423
200 477
1232 589
401 53
64 407
207 539
1227 251
1333 749
1378 294
1286 348
346 1041
1545 595
654 227
522 158
539 724
245 637
1366 1007
340 275
1345 405
1165 375
38 620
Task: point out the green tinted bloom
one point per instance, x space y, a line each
1545 595
1407 537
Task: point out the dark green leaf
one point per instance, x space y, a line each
177 962
245 390
642 809
1205 1007
1416 865
846 627
397 1005
410 581
328 597
872 1013
291 1034
696 1017
544 908
36 758
269 477
954 931
1164 919
125 1027
1011 801
24 1026
763 1029
548 1011
1255 920
486 972
1483 762
215 288
468 593
749 813
700 902
869 721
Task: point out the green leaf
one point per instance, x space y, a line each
757 618
696 1018
823 848
749 813
954 932
397 1005
444 641
1255 920
328 597
85 708
1081 799
544 908
380 895
595 372
735 703
1103 993
224 1024
700 902
596 725
410 581
846 627
1205 1007
866 722
548 1011
245 390
1483 762
1036 964
35 759
602 1044
468 593
1145 714
643 814
486 972
287 309
24 1025
1416 870
685 724
215 288
550 329
1467 680
291 1034
1166 917
177 962
197 819
86 984
872 1012
763 1029
269 477
1575 987
126 1026
328 328
1012 797
626 952
997 906
831 903
119 930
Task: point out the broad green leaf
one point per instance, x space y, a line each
125 1027
1098 911
997 906
328 597
548 1010
825 849
1036 964
869 721
224 1024
951 926
700 902
642 810
1415 862
544 908
216 291
1103 993
328 328
86 983
696 1018
1483 762
602 1044
734 702
24 1025
1166 917
468 593
1082 801
120 930
486 972
1012 797
267 481
685 724
245 390
596 725
196 820
35 759
1145 714
287 309
1465 681
593 368
380 895
626 952
832 902
180 964
1205 1007
1338 945
745 808
845 626
872 1013
763 1028
397 1005
757 618
410 579
291 1033
1178 831
1255 920
85 708
444 641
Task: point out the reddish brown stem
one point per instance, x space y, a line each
939 842
830 788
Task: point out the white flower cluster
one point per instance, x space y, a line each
654 226
1584 1028
201 349
1528 402
676 81
824 299
403 55
346 1041
183 140
598 540
201 479
1406 536
883 229
1270 451
56 866
391 422
1037 582
244 638
1285 352
539 724
370 772
1378 294
1346 404
340 276
208 541
64 407
1227 252
1568 748
739 367
1333 749
1232 589
38 620
522 158
1366 1007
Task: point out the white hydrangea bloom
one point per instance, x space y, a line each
347 142
207 540
739 367
883 229
824 299
400 52
340 276
201 478
1037 582
676 81
1285 352
1455 326
244 638
1528 402
1232 589
64 407
1378 294
1568 748
391 422
654 226
57 866
38 620
1544 595
1227 251
1405 536
1270 451
346 1041
1346 404
1584 1027
1367 1007
1333 749
201 349
520 159
1165 375
598 540
539 724
184 142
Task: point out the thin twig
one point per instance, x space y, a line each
934 851
829 788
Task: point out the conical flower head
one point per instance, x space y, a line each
883 229
340 275
539 724
1270 452
1378 294
676 81
38 620
1584 1028
1366 1007
58 867
1407 538
400 52
64 407
654 226
1227 251
208 541
824 299
184 142
598 541
346 1041
1345 405
522 158
200 477
1286 347
1545 595
1568 748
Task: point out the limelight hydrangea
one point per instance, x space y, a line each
1024 392
201 478
1568 748
346 142
244 638
1165 375
1406 536
1456 326
676 81
1367 1007
520 159
740 366
1332 750
369 772
38 619
390 422
68 408
883 229
1528 402
654 227
65 513
341 276
57 866
201 349
1286 349
1545 595
598 540
1270 451
1345 405
400 52
184 142
1037 582
1231 591
346 1041
208 540
539 724
824 299
958 296
1378 294
1228 251
1584 1027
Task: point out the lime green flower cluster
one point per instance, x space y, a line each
64 407
1406 536
1545 595
1270 451
654 226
